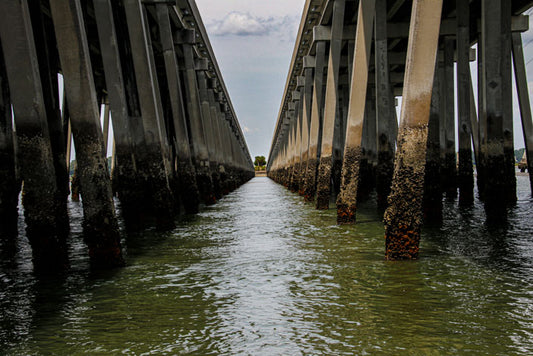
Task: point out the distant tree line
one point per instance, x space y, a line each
260 163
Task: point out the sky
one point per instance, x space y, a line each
253 41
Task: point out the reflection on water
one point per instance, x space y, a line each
261 272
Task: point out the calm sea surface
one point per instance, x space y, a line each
263 273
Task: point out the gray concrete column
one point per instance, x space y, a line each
432 175
347 198
48 69
387 125
449 171
187 38
465 174
523 99
42 205
309 63
315 129
10 187
154 153
208 131
331 107
100 224
498 187
187 187
403 217
296 161
218 157
125 176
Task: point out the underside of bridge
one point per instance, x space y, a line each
147 68
337 136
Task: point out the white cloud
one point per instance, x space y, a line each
245 24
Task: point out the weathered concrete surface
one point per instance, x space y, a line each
523 99
387 125
100 224
42 206
153 156
432 188
323 192
125 181
330 158
449 169
499 187
357 108
465 174
403 217
315 129
347 198
10 187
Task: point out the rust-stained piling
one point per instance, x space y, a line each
403 217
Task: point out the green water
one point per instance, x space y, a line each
262 273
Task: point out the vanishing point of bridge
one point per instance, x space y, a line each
149 69
337 135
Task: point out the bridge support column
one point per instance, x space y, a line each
465 177
523 98
153 155
432 188
196 122
48 69
187 188
403 217
10 187
315 129
367 179
499 187
347 198
387 125
295 174
125 176
218 157
449 169
209 132
331 108
100 224
42 206
306 122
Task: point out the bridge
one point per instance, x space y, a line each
147 69
337 135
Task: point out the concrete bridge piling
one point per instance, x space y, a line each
358 57
176 141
